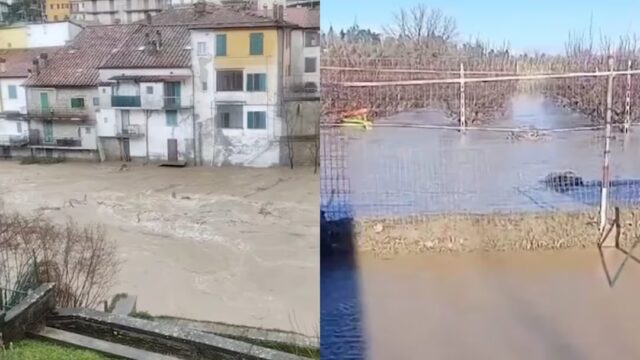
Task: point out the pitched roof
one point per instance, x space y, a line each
136 52
303 17
76 64
215 17
18 61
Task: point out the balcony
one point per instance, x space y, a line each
121 101
73 114
14 140
53 142
131 131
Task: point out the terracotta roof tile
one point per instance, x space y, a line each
136 52
18 61
77 63
303 17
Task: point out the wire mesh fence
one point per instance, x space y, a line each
483 156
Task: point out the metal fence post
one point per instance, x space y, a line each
604 195
463 118
627 101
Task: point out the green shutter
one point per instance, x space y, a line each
13 93
262 82
221 45
257 120
249 82
77 102
256 45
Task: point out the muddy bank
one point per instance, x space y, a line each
231 245
491 232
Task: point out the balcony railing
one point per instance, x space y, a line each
131 131
13 140
125 101
56 141
59 113
172 102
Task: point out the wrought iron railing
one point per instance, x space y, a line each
13 140
172 102
59 112
56 141
131 131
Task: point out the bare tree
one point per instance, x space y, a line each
421 24
80 260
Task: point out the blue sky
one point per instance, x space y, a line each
526 24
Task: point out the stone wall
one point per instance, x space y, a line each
178 341
29 315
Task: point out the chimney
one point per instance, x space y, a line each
154 45
147 39
3 65
29 72
44 57
200 7
147 16
265 9
281 12
275 11
36 65
159 39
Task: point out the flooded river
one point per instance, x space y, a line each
232 245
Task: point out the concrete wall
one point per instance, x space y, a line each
119 6
29 314
299 52
18 104
50 34
13 38
248 147
11 127
302 135
159 133
181 342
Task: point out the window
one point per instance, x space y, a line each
256 41
55 17
149 90
104 91
204 86
310 65
202 48
19 127
13 92
311 39
87 130
229 80
172 117
229 116
256 120
256 82
221 45
96 101
77 103
51 6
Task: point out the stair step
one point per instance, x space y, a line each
101 346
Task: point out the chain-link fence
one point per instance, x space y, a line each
481 157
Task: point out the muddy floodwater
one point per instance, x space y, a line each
411 171
501 306
231 245
572 304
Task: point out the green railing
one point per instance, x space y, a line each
125 101
10 298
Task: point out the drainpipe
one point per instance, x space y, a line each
193 116
147 114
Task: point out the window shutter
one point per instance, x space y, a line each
256 44
221 45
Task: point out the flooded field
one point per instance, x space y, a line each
228 244
395 171
563 304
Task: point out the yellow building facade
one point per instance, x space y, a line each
13 37
58 10
245 48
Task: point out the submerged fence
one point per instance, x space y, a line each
486 159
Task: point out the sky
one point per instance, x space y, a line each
527 25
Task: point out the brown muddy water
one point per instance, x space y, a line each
550 305
231 245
